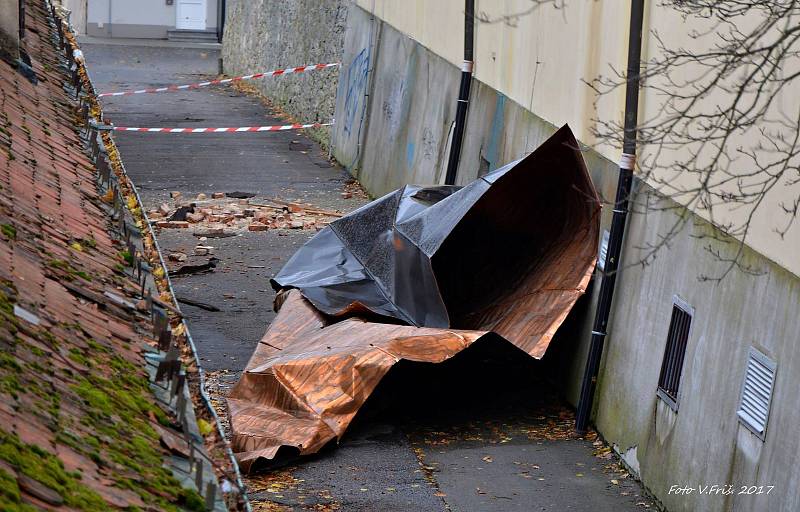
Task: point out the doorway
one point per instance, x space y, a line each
190 15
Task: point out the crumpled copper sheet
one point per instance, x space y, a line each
307 380
509 254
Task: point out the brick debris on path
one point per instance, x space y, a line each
443 454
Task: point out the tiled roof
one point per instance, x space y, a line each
79 427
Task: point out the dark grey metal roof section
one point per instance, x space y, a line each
428 256
759 382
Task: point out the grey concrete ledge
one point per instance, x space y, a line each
152 43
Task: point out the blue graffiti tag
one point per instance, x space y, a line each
356 82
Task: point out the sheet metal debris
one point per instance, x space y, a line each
510 253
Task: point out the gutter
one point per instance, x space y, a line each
626 164
463 93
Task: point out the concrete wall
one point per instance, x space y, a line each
702 443
262 35
147 19
539 57
394 109
77 17
9 28
404 129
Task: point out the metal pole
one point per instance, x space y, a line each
625 180
463 93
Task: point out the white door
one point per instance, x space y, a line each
190 15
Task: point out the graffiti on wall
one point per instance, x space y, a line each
355 88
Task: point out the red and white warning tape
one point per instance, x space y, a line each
275 128
172 88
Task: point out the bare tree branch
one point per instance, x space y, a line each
719 140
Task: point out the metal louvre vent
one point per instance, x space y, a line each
674 352
759 380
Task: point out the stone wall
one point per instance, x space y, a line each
262 35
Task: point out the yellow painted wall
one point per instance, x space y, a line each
539 58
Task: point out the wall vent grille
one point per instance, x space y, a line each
675 352
759 381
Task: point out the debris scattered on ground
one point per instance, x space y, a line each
195 269
353 188
232 213
181 213
173 224
177 256
343 278
197 304
240 195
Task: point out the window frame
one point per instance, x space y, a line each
685 307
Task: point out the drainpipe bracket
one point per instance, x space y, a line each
627 161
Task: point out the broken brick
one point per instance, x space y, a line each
257 226
175 224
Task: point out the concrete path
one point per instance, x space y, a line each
486 435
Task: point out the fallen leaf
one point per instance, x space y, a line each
204 427
615 482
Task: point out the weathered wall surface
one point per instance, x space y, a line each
412 105
261 35
401 135
538 56
77 17
703 442
9 27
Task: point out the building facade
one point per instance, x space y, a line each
155 19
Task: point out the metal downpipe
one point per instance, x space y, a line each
626 165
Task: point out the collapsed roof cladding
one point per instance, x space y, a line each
481 257
510 253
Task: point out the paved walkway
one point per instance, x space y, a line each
481 437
